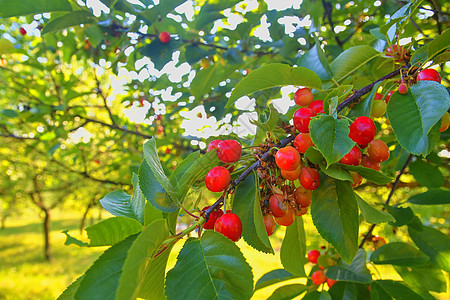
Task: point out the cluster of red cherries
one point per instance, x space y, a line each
318 277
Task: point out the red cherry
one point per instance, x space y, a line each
317 106
277 205
217 179
309 178
164 37
287 158
402 89
230 226
378 96
302 117
302 142
388 96
22 31
378 151
330 282
229 151
362 130
167 151
269 223
318 277
303 97
292 175
429 74
215 214
357 179
287 219
313 255
352 158
368 163
213 145
302 211
302 196
378 241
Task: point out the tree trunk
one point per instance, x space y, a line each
83 219
46 233
3 222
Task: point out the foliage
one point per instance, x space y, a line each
68 121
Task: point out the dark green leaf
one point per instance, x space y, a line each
273 277
426 174
369 174
282 75
335 214
330 136
402 215
111 231
364 107
69 20
142 273
293 249
351 60
71 240
431 197
343 290
390 289
371 214
219 268
336 171
204 80
316 295
9 113
423 278
414 114
311 61
355 272
160 53
69 292
314 156
433 243
246 206
340 92
420 55
102 278
439 44
15 8
118 203
288 292
398 253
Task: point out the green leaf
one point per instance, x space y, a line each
340 92
316 295
15 8
434 279
439 44
152 214
364 107
160 53
336 171
431 197
246 206
371 214
71 240
210 12
137 200
153 191
335 214
355 272
398 253
403 215
369 174
351 60
414 114
69 20
288 292
273 277
314 156
142 273
69 292
433 243
9 113
101 279
281 75
426 174
293 249
311 61
204 80
118 203
111 231
330 136
420 55
267 126
390 289
212 267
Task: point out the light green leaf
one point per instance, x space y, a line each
137 200
426 174
439 44
311 61
111 231
246 205
369 174
335 214
204 80
433 243
293 249
382 289
400 254
282 75
330 136
69 20
142 273
69 292
101 280
273 277
431 197
351 60
341 93
118 203
288 292
423 278
364 107
336 171
371 214
414 115
15 8
355 272
219 268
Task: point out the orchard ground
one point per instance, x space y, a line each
25 275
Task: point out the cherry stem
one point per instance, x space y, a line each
192 215
391 193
